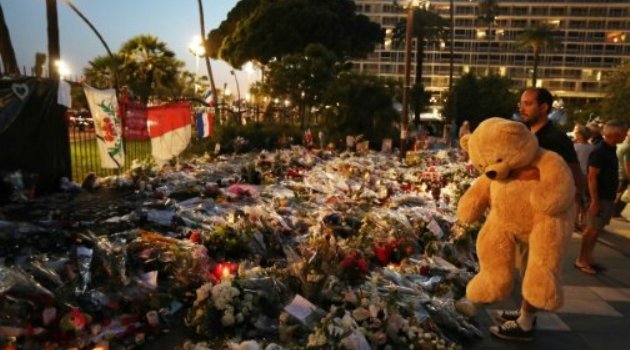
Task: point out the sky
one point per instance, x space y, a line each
174 22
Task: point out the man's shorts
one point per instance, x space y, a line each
602 218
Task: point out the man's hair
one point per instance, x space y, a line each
614 126
544 96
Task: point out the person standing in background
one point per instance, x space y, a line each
603 175
583 149
623 159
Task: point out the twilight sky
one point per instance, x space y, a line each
175 22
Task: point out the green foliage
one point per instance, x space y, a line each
536 38
419 99
475 99
145 64
428 27
259 136
302 78
617 102
360 104
264 30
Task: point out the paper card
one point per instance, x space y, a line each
386 146
161 217
356 341
363 147
435 229
149 279
300 308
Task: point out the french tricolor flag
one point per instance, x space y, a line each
204 122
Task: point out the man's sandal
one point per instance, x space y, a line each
587 269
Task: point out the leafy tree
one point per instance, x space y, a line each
40 60
617 102
9 62
360 104
100 73
145 64
496 98
536 38
149 67
264 30
302 78
419 101
476 99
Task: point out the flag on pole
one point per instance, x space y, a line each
104 108
169 129
203 122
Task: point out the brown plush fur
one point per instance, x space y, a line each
530 194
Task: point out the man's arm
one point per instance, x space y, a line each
593 172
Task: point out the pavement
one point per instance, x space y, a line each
596 310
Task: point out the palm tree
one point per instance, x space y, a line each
54 51
102 71
9 62
536 38
148 66
487 15
427 27
205 40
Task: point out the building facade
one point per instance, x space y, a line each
593 39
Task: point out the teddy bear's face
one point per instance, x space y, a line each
499 145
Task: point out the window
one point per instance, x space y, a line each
540 11
519 10
558 11
579 11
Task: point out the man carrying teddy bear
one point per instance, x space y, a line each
534 107
535 162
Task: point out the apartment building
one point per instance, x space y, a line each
593 37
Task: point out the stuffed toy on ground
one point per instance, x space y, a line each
530 193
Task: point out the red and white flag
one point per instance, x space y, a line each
169 129
104 108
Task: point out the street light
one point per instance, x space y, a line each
62 69
197 49
405 99
238 90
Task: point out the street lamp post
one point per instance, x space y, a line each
197 49
238 91
407 82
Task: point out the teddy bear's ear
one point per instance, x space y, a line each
463 142
514 128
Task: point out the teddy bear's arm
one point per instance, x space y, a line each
473 204
555 191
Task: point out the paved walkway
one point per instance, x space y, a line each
596 311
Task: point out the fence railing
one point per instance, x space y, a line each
84 154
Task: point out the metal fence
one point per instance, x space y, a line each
84 153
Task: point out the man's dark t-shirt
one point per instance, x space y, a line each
604 158
550 138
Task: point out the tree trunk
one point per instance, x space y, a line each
9 62
208 66
418 76
451 60
54 51
535 71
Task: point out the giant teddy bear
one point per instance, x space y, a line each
530 193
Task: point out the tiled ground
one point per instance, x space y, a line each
596 311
